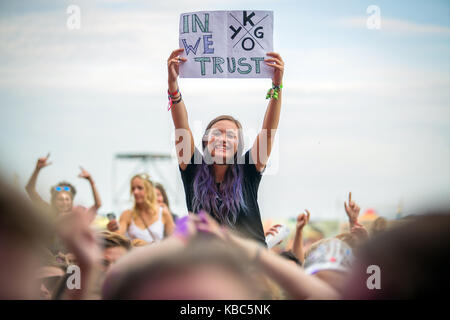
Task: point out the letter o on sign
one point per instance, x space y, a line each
245 47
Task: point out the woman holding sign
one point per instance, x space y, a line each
224 182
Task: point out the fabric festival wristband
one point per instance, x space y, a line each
172 102
171 96
273 92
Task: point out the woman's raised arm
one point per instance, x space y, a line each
31 185
184 140
297 247
262 146
97 201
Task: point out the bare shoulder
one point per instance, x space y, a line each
166 215
126 215
165 211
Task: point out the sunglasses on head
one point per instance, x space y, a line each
62 188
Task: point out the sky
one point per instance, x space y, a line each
364 110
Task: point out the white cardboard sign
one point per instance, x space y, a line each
226 44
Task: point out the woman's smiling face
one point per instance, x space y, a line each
223 140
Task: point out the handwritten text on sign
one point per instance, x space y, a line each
226 44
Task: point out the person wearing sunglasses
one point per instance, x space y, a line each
62 194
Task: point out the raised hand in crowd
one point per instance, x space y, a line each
84 174
262 146
97 201
184 139
31 185
173 65
297 248
302 220
352 210
42 162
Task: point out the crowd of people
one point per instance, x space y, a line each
217 250
196 258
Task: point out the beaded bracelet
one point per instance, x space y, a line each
273 92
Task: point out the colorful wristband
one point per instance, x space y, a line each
171 96
273 92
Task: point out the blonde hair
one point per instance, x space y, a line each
150 194
110 239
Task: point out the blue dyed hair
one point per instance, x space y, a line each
226 202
